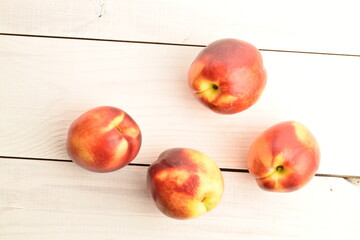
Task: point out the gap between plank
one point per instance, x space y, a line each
165 43
148 165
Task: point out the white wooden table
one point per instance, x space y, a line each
61 58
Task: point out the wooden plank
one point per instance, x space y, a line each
47 83
58 200
315 26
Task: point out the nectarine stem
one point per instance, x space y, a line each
280 168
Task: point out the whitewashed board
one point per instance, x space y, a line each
59 200
311 26
47 83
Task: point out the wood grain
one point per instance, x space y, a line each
58 200
312 26
47 83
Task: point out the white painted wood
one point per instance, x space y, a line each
47 83
318 26
58 200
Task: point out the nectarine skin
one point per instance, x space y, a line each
185 183
284 157
228 76
103 139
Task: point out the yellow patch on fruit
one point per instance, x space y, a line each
226 99
202 160
278 160
211 203
131 132
277 169
79 147
208 172
207 89
114 123
206 202
84 155
121 149
196 208
209 95
177 175
303 135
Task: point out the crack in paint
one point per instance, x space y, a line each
101 5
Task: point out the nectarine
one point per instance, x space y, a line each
103 139
228 76
284 157
185 183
